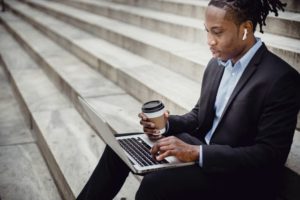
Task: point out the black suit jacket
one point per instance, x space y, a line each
257 126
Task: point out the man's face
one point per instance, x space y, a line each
224 37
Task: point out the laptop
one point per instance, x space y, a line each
133 149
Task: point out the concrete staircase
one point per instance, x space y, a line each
23 172
116 54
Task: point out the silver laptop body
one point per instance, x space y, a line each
116 144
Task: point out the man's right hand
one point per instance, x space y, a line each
149 127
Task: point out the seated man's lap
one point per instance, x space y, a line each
192 182
187 182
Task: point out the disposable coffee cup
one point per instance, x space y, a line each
154 110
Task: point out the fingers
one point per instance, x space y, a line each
147 124
172 146
160 144
149 127
154 150
163 148
145 121
143 116
150 130
165 154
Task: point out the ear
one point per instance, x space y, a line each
247 25
246 29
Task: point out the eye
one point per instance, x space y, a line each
218 33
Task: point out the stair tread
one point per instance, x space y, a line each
280 42
61 127
287 15
167 17
145 36
74 145
39 92
27 176
6 92
24 174
287 23
187 21
85 80
293 161
177 87
172 44
12 124
173 59
192 2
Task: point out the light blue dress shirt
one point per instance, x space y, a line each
231 75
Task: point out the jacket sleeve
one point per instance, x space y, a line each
184 123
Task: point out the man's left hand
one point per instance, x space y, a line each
172 146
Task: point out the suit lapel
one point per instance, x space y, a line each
241 83
214 88
215 85
209 91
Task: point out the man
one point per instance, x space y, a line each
240 131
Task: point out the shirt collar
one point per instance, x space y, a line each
243 61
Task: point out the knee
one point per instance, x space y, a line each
149 188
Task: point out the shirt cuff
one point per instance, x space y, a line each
200 157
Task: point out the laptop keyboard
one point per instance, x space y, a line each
139 151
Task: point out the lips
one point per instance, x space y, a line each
214 51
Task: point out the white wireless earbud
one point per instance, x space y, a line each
245 34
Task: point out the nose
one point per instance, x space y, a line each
211 40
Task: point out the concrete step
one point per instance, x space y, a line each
69 145
13 129
24 174
188 8
293 161
185 28
72 76
164 50
172 53
293 6
138 76
286 24
23 171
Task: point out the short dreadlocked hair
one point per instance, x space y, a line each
254 10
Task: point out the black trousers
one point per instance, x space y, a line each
189 182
